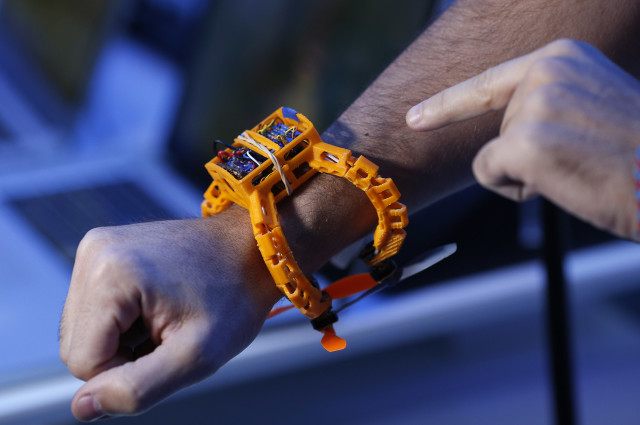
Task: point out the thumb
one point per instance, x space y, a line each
136 386
501 166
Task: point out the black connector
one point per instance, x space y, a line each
368 252
384 270
327 318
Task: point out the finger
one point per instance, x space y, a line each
489 91
109 309
87 251
72 302
499 166
66 326
137 386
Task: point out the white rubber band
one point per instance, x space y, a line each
248 139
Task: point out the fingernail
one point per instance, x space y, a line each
413 116
88 409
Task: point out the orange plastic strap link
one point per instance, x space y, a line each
290 139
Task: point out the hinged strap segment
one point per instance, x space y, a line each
277 255
382 192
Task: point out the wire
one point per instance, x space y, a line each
266 126
245 137
222 142
252 158
291 130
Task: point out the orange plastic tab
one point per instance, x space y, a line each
331 342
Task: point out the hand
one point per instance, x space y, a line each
155 307
569 131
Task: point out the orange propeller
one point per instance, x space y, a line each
332 342
364 284
350 285
341 288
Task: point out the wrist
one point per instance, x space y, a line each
327 215
229 235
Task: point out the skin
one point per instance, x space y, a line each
570 131
199 286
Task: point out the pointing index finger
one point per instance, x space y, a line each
489 91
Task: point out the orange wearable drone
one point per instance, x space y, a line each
270 161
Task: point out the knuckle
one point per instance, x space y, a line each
501 168
115 263
487 165
571 51
483 90
78 367
125 396
479 167
561 60
95 235
127 393
546 70
136 399
93 241
568 48
543 101
562 46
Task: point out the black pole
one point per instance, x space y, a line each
558 323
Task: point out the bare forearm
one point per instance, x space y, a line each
470 37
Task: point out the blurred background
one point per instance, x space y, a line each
108 110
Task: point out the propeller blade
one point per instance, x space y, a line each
342 288
350 285
363 283
332 342
418 265
427 260
278 310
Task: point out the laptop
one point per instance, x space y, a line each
85 118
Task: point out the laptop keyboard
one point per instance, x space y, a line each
64 218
